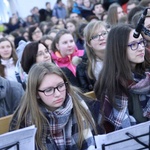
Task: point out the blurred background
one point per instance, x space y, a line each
20 7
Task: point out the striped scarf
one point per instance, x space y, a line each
63 127
142 89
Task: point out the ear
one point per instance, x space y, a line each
88 43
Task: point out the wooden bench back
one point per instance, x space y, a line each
4 124
90 94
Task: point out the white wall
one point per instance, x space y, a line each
23 7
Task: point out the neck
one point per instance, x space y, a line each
100 54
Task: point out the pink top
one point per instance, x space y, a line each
66 61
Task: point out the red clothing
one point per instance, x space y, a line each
67 61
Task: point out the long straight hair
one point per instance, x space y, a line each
29 107
116 72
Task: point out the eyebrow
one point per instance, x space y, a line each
44 88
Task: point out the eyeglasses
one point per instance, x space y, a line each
97 37
134 45
51 90
39 54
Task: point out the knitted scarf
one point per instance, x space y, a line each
142 89
63 127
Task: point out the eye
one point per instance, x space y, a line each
95 37
133 44
49 90
104 33
60 85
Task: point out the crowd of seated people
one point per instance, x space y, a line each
49 60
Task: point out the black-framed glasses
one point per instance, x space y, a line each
51 90
97 37
134 45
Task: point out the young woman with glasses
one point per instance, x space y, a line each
123 87
95 35
65 119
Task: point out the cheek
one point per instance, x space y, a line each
38 59
62 48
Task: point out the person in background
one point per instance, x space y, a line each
59 10
64 118
76 6
115 12
98 10
86 9
8 62
123 85
131 4
144 3
49 11
95 36
66 55
47 40
52 33
35 33
11 93
34 52
71 25
76 17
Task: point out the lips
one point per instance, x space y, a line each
104 43
141 54
58 101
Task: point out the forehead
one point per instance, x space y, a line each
66 37
98 6
51 80
5 43
41 46
99 30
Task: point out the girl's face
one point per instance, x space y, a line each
120 12
55 88
86 3
5 50
66 45
43 54
37 34
135 49
70 27
79 2
48 43
98 40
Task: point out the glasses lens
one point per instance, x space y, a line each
96 37
61 87
104 34
134 46
49 91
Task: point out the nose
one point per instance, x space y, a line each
101 37
56 92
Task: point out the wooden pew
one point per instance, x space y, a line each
90 94
4 124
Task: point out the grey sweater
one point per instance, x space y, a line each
10 96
